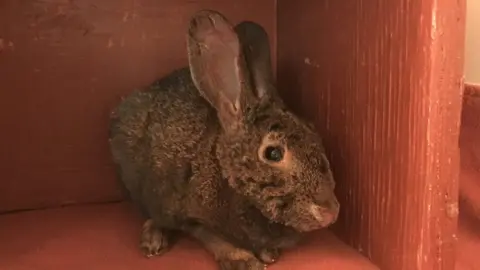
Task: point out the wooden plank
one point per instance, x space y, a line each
383 82
63 66
105 237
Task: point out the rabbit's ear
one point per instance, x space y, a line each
217 65
256 49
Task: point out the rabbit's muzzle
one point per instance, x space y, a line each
325 216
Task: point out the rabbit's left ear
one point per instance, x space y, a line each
256 49
217 66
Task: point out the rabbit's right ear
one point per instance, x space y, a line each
256 49
217 65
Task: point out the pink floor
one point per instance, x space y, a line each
103 237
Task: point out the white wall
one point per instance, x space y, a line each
472 50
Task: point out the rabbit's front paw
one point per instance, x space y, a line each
242 264
269 256
154 241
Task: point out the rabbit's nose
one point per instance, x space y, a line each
325 216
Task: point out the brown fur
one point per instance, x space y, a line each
190 151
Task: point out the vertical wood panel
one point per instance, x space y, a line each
383 82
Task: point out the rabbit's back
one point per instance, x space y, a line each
154 136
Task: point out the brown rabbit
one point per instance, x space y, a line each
212 151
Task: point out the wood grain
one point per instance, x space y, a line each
383 82
63 66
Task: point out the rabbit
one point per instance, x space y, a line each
212 151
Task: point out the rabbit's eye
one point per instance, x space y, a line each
274 153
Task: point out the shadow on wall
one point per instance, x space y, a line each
470 129
470 160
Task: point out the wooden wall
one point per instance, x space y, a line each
63 66
383 82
